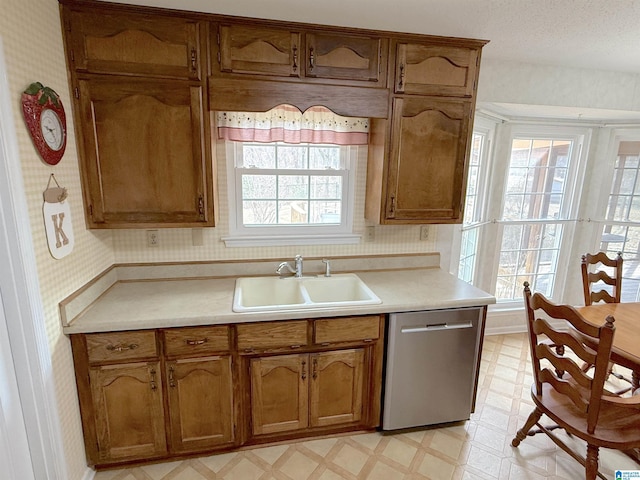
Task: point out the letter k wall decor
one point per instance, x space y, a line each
57 220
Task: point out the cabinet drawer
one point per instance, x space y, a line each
185 341
348 329
118 346
272 335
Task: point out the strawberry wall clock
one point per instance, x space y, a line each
44 115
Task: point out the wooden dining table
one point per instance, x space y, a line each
626 340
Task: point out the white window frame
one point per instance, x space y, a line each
487 128
581 137
617 136
274 235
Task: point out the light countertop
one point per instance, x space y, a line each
146 304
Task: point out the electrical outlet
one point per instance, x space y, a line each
152 238
370 234
424 232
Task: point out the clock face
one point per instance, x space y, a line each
47 123
52 130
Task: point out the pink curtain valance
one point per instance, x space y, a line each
286 124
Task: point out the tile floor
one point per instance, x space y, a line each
477 449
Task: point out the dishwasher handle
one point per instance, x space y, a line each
436 327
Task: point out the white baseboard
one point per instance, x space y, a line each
89 474
505 322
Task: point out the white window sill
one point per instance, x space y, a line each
276 240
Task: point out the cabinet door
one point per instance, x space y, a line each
129 412
346 57
337 385
134 44
200 403
259 50
428 163
279 393
436 69
145 160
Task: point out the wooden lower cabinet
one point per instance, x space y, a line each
279 393
158 394
337 387
294 392
129 412
200 396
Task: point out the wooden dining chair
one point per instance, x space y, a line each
595 278
577 403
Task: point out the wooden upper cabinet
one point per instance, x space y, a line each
346 57
109 42
436 70
259 50
331 57
145 160
427 164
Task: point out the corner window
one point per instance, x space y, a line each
621 232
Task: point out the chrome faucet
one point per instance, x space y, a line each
327 270
286 265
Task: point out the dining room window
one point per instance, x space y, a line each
537 208
621 227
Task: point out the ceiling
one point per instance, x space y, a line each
591 34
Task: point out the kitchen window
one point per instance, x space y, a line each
291 176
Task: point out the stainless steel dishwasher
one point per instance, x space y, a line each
431 367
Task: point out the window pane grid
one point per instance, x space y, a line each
536 190
291 185
624 206
625 239
624 201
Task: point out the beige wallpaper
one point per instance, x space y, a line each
30 31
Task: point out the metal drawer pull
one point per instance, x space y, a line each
304 370
196 342
315 368
367 340
121 348
294 346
